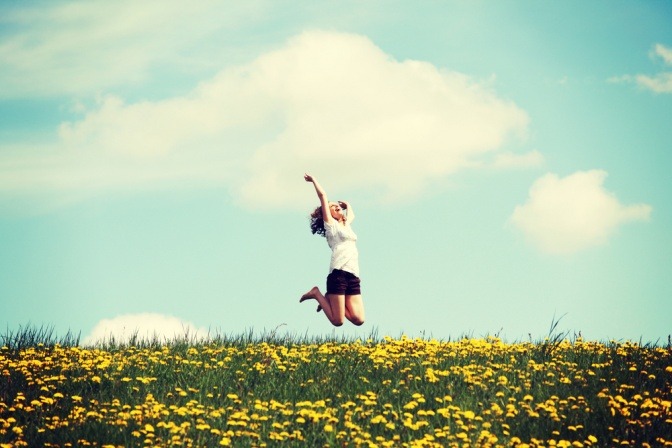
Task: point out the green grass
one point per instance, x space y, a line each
272 390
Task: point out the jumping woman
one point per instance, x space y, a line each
343 299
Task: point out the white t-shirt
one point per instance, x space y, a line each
341 240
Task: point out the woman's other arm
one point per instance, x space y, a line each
350 213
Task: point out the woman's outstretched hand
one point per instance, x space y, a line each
308 178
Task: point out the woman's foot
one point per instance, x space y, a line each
312 294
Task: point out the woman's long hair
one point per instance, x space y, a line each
317 222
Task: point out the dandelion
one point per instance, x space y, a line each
378 419
469 415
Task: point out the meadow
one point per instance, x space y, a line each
268 390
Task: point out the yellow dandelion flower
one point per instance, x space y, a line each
378 419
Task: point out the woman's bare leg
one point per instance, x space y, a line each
333 305
354 309
348 315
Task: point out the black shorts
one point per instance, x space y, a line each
343 283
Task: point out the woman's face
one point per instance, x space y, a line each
336 210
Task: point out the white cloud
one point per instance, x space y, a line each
332 104
144 326
566 215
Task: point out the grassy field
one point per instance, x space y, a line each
293 391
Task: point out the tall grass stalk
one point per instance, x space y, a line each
32 336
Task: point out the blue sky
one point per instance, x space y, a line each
508 162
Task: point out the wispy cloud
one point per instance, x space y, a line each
331 103
659 82
508 160
664 53
566 215
81 48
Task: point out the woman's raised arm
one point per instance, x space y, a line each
322 195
